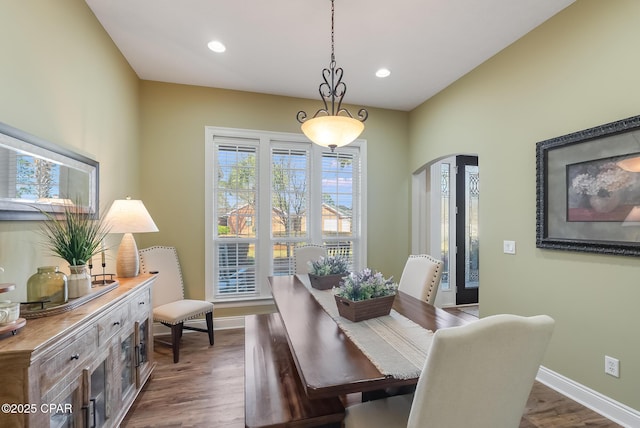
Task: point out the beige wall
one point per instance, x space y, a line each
173 120
577 71
62 79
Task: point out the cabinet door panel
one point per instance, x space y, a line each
67 396
96 384
127 366
143 349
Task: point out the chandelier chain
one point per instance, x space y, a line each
333 57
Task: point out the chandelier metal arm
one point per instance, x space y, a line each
332 94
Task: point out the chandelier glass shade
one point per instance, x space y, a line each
332 131
332 126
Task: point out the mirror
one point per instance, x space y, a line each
36 174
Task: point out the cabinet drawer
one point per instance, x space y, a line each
141 305
67 356
112 323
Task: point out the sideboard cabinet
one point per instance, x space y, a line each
81 368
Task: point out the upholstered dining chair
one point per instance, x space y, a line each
303 254
488 365
170 308
421 277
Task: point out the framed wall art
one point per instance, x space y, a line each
588 190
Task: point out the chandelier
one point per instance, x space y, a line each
336 127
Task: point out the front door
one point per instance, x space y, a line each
467 244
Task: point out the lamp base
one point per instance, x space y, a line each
127 261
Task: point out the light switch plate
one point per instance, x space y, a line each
509 247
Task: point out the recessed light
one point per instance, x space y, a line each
383 72
216 46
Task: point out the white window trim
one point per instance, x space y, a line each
267 138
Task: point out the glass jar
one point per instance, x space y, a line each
48 285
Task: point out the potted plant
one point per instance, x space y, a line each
365 294
76 237
326 272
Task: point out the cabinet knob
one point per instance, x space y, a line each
141 303
75 357
116 323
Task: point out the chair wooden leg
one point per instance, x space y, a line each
176 334
209 317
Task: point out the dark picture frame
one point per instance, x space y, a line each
585 199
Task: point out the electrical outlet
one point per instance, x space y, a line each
509 247
611 366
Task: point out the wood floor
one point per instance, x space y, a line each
206 389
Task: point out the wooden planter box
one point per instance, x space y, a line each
325 282
364 309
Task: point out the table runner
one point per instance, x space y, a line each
396 345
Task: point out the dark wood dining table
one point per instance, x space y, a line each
329 364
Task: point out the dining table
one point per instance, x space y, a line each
327 360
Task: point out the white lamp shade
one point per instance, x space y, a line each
332 131
129 216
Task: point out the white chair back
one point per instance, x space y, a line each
421 277
168 287
481 374
303 254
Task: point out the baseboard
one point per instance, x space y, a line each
464 305
607 407
224 323
227 323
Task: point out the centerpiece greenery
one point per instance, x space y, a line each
75 236
331 265
365 294
366 284
326 272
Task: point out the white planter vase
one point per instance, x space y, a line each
79 281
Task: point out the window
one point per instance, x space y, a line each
266 193
236 195
340 184
36 178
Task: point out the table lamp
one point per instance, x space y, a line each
128 216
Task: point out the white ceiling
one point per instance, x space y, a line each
281 46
